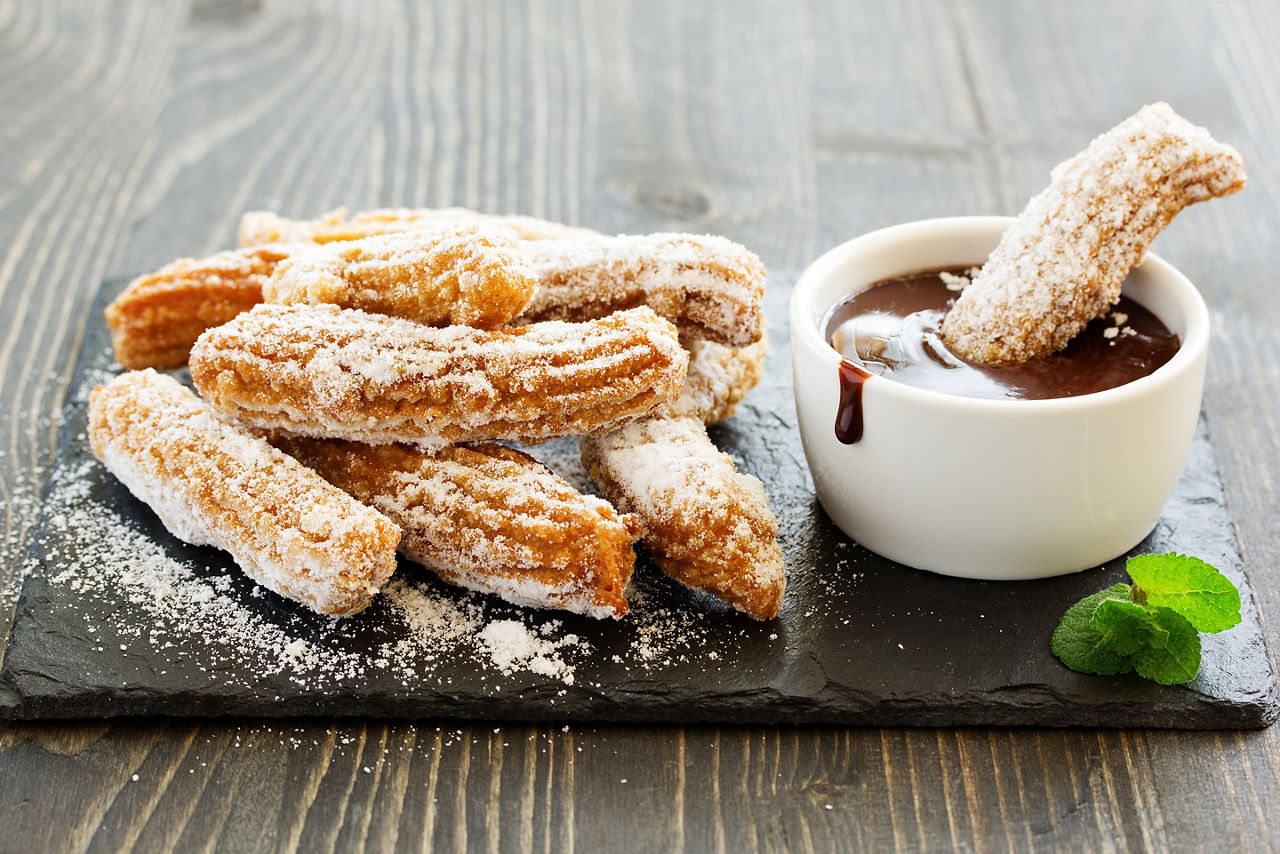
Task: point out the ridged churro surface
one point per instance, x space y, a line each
489 518
710 287
1062 262
469 273
258 227
706 525
719 377
213 484
155 320
342 373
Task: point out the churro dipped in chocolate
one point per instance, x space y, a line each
489 518
468 273
709 287
257 227
155 320
342 373
706 525
214 484
1062 262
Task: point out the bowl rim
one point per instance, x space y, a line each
805 330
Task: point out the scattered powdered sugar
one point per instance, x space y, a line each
1120 329
172 609
168 604
514 646
97 554
952 281
664 636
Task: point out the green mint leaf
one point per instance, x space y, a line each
1084 648
1121 625
1167 645
1188 585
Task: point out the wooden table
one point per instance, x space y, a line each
133 133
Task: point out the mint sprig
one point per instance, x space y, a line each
1189 586
1152 626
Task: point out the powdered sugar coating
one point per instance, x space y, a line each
710 287
489 518
469 272
719 377
1062 262
155 320
213 484
341 373
707 525
257 227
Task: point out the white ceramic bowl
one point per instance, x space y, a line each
994 489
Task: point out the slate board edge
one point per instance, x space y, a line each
1190 714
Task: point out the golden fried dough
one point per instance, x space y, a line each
155 320
489 518
341 373
468 273
1062 262
719 377
257 227
706 525
213 484
709 287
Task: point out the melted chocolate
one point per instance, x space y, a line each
849 415
893 329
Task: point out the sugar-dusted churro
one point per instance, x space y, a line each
706 525
489 518
719 377
342 373
1062 262
213 484
710 287
155 320
258 227
469 273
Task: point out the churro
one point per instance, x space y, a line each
257 227
710 287
342 373
469 273
489 518
157 317
719 377
1062 262
706 525
213 484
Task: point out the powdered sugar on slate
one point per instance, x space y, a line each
513 646
173 610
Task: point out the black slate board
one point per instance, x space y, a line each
861 640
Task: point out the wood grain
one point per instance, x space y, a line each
137 132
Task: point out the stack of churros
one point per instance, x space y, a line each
354 372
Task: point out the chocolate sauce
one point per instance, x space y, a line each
849 415
893 329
